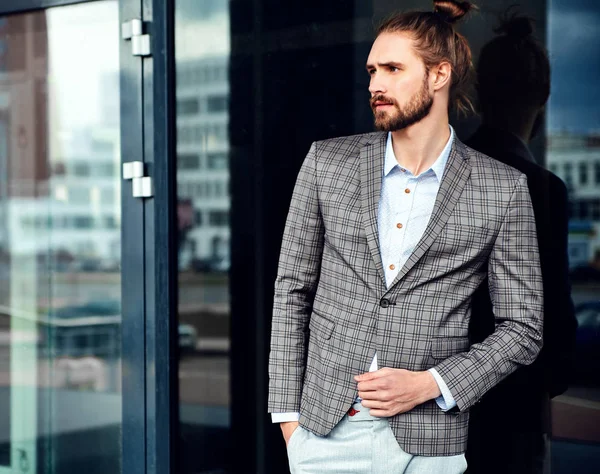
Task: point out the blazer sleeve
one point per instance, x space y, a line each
295 287
516 293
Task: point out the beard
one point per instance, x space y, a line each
417 109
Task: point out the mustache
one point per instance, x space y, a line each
381 98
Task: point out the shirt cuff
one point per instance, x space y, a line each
283 417
445 401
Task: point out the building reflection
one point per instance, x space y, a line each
204 201
203 161
60 240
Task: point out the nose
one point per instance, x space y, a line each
376 85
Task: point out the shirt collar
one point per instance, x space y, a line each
437 167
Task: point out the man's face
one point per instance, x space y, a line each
399 85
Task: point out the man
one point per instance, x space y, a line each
388 236
514 85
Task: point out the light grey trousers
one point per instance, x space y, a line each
362 444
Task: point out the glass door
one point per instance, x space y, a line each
68 94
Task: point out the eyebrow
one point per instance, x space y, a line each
388 64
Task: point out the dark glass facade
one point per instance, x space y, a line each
134 330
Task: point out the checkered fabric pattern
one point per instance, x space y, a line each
333 311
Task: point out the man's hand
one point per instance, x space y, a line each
388 392
287 428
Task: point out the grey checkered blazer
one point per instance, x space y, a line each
332 309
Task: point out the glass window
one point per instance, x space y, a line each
188 161
204 384
568 174
109 222
305 81
83 222
218 218
573 128
595 209
188 107
584 210
59 168
216 103
198 217
81 169
60 410
105 170
583 174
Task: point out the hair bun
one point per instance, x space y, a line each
518 27
452 10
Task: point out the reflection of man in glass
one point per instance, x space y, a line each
388 236
507 429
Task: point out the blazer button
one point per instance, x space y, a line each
384 303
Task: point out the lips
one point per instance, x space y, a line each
380 101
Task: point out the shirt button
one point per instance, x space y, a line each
399 225
392 267
407 190
384 303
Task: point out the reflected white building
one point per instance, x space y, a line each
80 217
575 158
203 158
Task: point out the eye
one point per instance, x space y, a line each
393 68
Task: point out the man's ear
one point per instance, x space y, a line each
441 75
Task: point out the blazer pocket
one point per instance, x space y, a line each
320 326
444 347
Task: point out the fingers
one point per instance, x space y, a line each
381 413
387 411
375 384
376 404
370 375
375 395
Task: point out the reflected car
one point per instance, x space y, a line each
587 350
188 337
210 265
89 308
91 312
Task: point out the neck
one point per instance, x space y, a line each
417 147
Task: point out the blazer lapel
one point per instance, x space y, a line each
371 172
453 182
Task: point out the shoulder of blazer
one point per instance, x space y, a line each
344 146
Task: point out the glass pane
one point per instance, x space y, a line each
60 242
203 217
281 75
573 153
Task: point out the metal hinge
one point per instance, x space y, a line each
141 186
140 43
